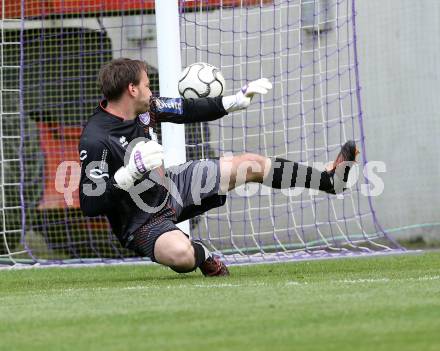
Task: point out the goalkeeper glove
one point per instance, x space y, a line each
243 98
144 157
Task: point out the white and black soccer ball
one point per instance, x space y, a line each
201 79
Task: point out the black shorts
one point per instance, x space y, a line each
194 189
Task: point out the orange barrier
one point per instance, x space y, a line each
58 143
39 8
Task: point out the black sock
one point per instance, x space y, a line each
200 252
287 174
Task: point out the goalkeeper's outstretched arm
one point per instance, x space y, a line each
178 110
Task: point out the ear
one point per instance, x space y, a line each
132 90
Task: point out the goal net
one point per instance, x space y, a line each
51 52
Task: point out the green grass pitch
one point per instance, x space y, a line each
381 303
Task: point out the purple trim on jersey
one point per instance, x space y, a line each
244 88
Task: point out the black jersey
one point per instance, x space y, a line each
102 148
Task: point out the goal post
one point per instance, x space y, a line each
170 66
51 53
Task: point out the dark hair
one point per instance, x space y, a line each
115 76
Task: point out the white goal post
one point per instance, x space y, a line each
170 66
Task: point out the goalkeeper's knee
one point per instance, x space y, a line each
201 253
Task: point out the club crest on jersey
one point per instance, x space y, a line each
123 141
145 118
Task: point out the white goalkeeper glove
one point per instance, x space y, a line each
243 98
144 157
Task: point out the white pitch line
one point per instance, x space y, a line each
367 280
361 281
381 280
287 284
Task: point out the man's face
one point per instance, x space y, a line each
142 99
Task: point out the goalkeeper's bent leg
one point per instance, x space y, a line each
175 250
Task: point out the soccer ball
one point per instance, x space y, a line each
201 80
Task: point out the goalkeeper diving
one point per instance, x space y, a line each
123 177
